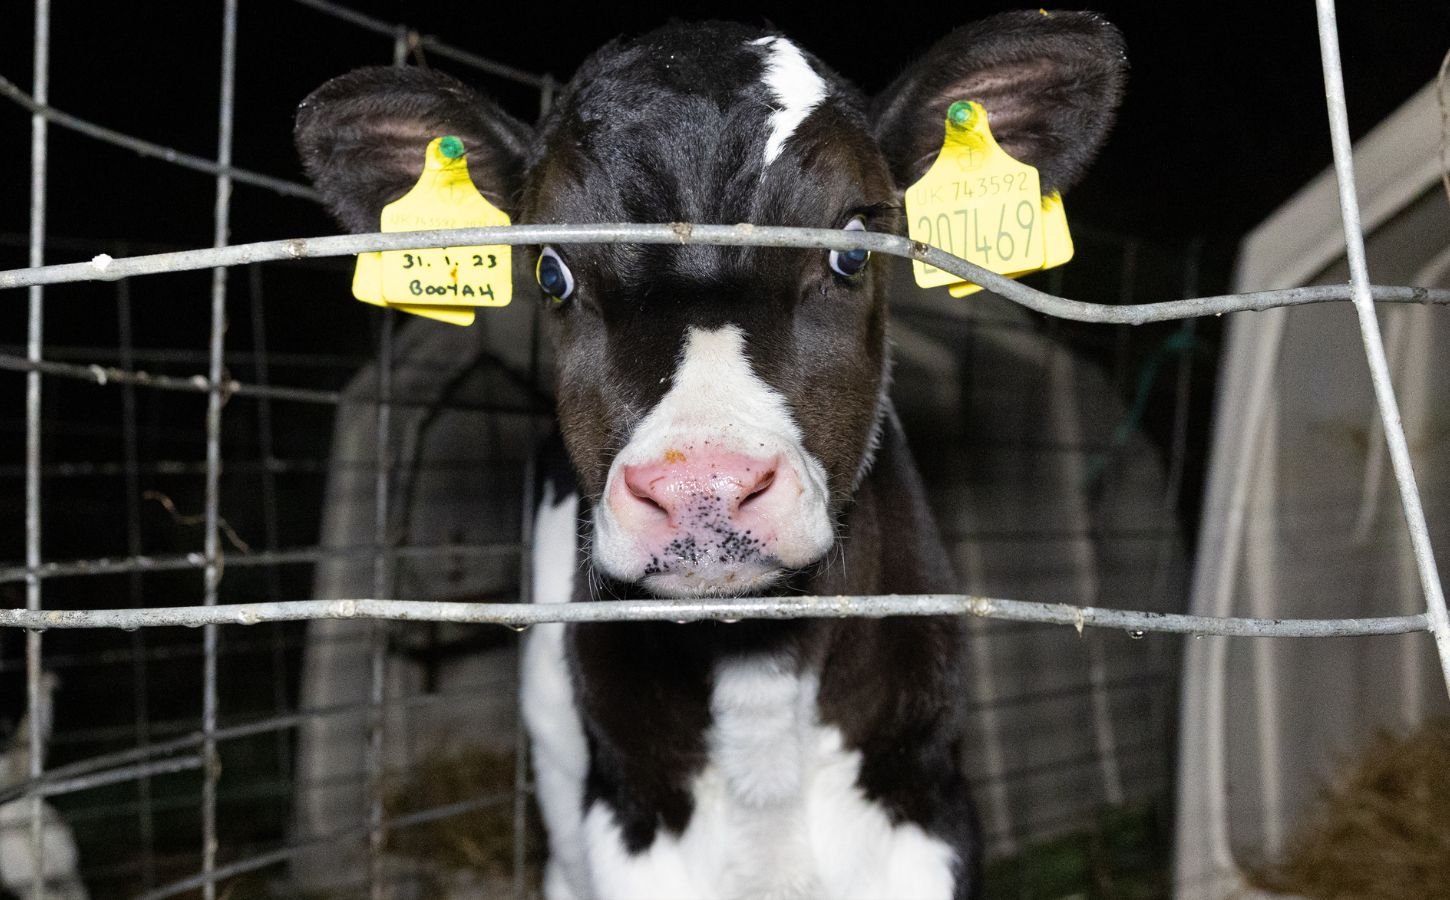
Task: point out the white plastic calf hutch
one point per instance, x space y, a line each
1302 518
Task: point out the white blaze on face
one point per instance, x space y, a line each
716 404
796 87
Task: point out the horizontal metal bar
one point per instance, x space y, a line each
1138 682
92 659
279 466
352 17
519 616
282 792
11 91
52 787
169 467
482 64
282 854
133 759
230 387
1147 747
104 268
236 359
427 42
195 384
77 775
262 790
182 561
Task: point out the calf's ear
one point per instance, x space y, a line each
362 138
1050 81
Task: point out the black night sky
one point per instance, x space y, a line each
1224 116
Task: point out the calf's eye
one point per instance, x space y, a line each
850 262
554 276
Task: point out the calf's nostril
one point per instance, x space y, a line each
760 487
644 488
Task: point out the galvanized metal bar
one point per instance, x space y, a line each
431 44
106 268
70 774
274 466
517 615
282 854
350 16
279 722
120 776
194 384
37 694
81 659
482 64
38 106
1374 348
342 362
216 396
179 562
199 384
270 789
134 470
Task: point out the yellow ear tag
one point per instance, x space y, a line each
448 283
978 203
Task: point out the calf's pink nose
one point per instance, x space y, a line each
683 487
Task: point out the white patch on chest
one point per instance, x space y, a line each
796 87
777 813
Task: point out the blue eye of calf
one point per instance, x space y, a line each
553 275
850 262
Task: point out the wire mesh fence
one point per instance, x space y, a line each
169 744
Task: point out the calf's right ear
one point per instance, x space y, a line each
362 138
1050 81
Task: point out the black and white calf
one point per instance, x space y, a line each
726 416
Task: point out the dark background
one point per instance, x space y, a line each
1224 116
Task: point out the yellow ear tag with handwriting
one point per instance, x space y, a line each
978 203
447 283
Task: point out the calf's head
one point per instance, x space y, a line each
720 404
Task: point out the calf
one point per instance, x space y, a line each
726 417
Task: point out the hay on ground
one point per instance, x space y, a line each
1382 832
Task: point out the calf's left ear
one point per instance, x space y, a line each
1050 81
